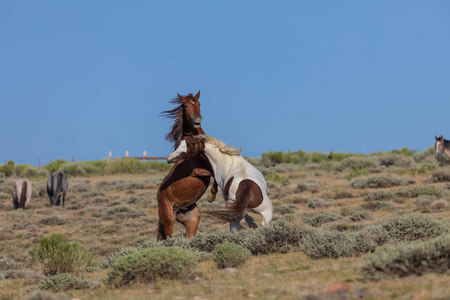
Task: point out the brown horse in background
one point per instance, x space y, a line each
189 178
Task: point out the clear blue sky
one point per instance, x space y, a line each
81 78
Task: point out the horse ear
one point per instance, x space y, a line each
182 99
436 138
197 96
442 138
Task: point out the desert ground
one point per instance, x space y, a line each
332 216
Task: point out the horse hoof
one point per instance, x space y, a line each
254 226
211 198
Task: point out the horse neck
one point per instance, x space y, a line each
220 162
447 151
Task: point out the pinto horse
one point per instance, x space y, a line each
442 146
243 186
188 179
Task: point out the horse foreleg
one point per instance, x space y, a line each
190 221
212 193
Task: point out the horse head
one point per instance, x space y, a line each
191 110
187 149
439 145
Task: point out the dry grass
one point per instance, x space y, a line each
95 216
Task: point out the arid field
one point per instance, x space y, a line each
345 227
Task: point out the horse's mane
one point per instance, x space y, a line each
176 114
223 148
446 143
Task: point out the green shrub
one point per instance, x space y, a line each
424 190
22 274
356 163
57 255
394 160
60 283
376 205
424 200
7 169
441 175
207 242
421 156
55 165
276 177
416 258
53 220
411 227
6 263
357 173
113 257
283 209
369 238
230 255
122 212
18 169
301 187
378 182
319 202
379 195
149 264
319 219
281 235
318 243
359 216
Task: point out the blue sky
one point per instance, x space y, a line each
81 78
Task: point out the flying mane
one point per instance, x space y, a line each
223 148
176 114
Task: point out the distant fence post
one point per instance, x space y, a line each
110 154
143 156
126 154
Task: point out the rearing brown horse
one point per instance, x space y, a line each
188 179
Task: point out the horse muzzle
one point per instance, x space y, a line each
197 120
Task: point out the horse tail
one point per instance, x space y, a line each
236 211
23 195
161 233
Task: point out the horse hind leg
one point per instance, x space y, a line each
235 226
250 221
166 219
190 220
15 203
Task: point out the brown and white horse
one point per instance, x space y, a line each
21 193
442 146
243 186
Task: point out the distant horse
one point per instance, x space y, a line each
57 188
442 146
243 186
22 194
